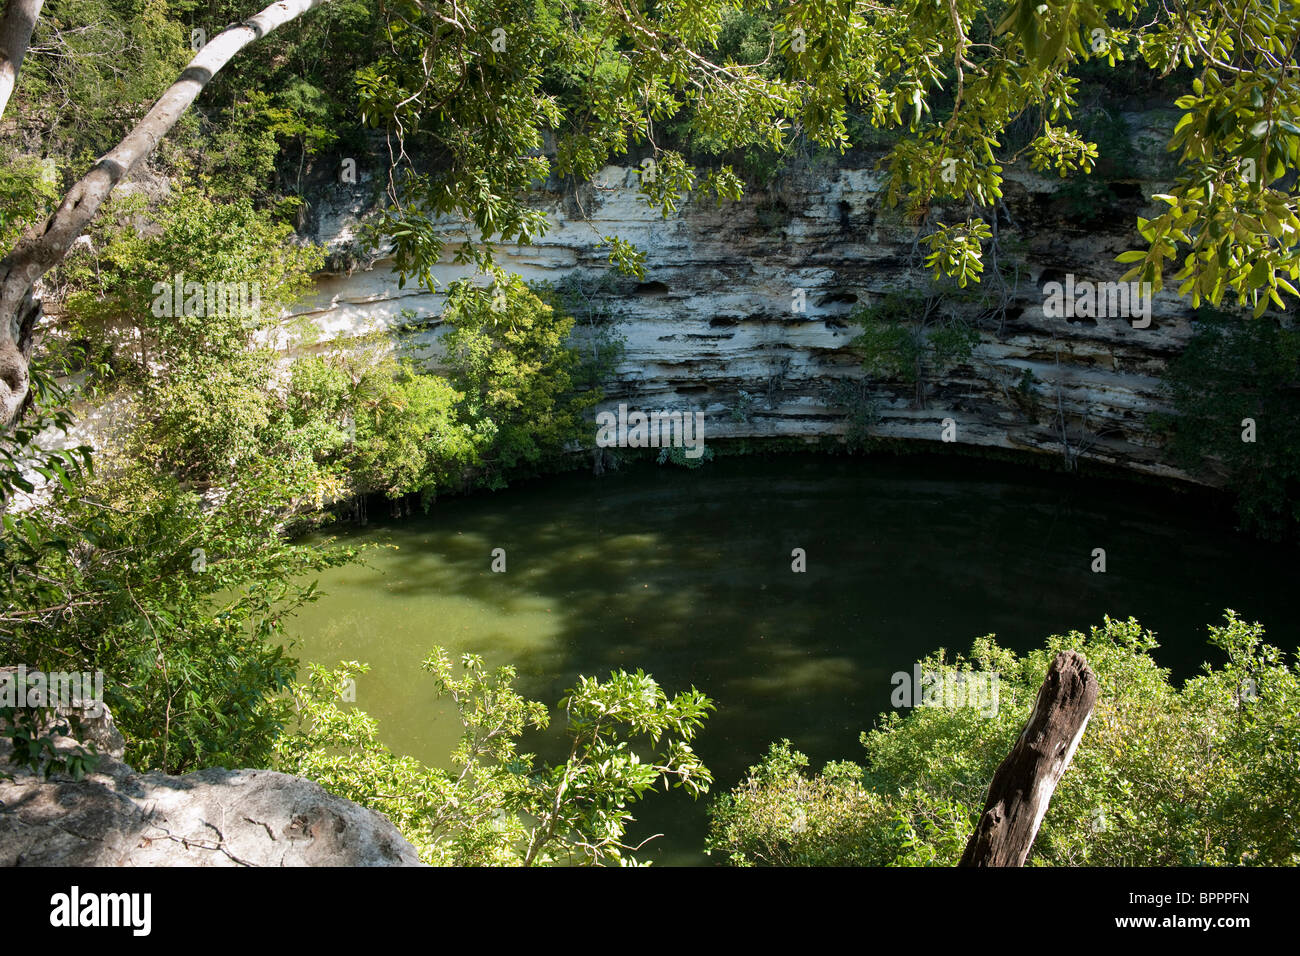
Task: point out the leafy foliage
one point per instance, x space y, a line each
1205 774
906 336
482 104
27 189
92 68
137 254
1238 134
496 805
1230 372
33 734
956 251
409 437
508 352
23 452
182 608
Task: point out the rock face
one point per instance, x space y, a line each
712 328
117 817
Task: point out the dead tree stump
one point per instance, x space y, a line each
1024 783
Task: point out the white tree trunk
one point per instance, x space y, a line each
15 35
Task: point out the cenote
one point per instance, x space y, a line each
687 574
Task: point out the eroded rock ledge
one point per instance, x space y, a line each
118 817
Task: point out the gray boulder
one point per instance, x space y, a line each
118 817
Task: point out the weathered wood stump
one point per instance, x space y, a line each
1024 783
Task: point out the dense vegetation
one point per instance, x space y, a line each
1236 394
168 560
496 806
1203 774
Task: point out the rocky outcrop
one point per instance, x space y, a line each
117 817
712 326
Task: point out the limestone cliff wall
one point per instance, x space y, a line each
712 328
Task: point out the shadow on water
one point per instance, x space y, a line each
688 576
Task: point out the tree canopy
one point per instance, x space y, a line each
478 100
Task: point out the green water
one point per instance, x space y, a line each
688 575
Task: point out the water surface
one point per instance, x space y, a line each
687 574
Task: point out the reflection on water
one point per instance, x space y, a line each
688 575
